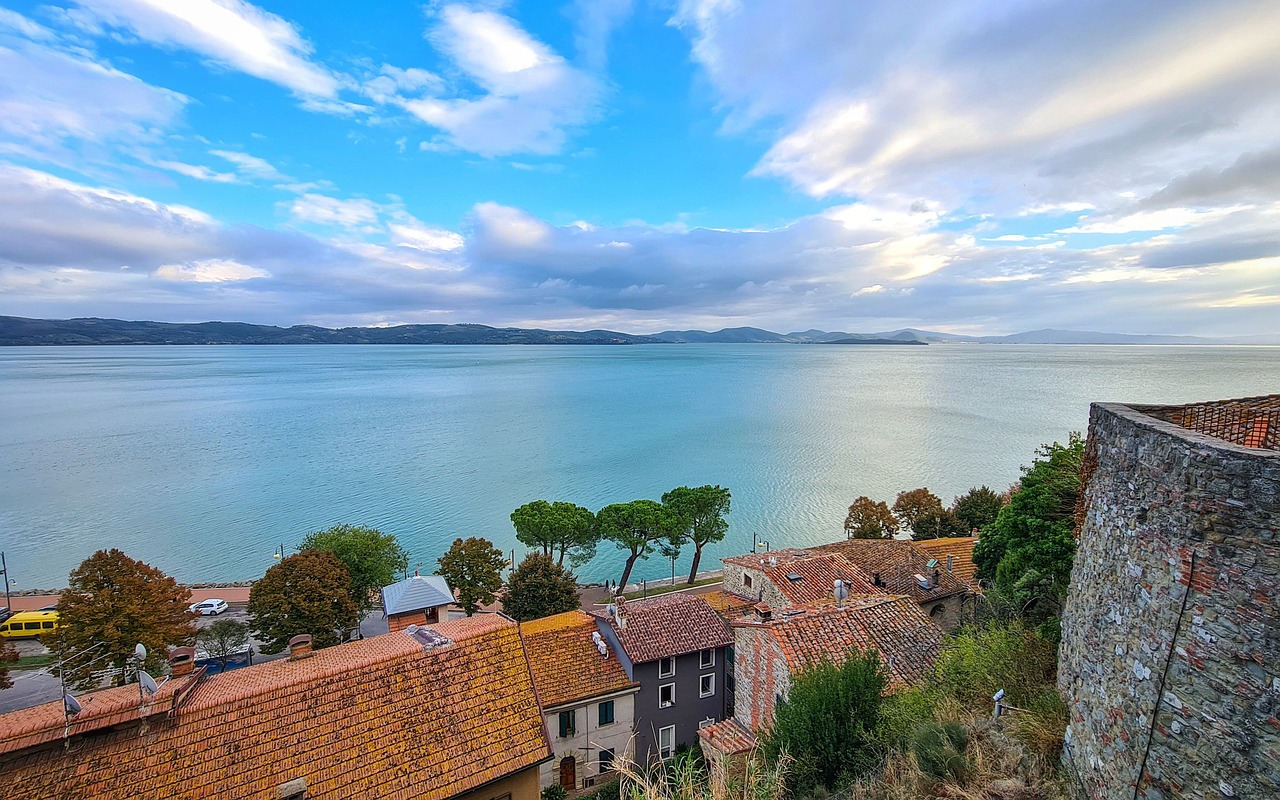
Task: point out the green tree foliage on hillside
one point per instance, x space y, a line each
938 524
113 603
308 592
912 506
223 639
539 587
868 519
978 508
827 723
473 568
1026 554
700 513
373 559
637 528
558 529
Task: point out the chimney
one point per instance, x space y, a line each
182 660
937 578
949 560
875 579
763 612
300 647
295 789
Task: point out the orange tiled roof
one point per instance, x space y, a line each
668 625
894 626
728 737
897 563
961 551
727 604
814 576
379 718
566 664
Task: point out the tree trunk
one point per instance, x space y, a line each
697 556
626 572
560 561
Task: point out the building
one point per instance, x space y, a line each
443 712
588 702
897 567
676 647
420 600
953 554
1170 656
790 577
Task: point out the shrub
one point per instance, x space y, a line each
554 792
939 750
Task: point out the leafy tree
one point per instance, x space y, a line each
474 569
373 559
868 519
8 654
539 587
308 592
113 603
910 507
637 527
1028 551
936 524
827 723
558 529
978 508
700 512
223 639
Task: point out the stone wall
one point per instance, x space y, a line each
1170 659
761 673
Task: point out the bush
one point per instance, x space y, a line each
554 792
974 664
939 750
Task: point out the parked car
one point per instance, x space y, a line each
211 607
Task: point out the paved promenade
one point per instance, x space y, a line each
234 595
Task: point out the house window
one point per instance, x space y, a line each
707 723
666 695
568 723
707 685
746 580
605 711
706 658
666 667
606 760
667 742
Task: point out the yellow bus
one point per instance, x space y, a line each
29 623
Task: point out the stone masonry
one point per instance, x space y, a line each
1170 658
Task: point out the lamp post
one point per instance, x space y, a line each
766 545
278 553
4 570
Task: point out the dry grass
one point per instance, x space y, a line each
690 779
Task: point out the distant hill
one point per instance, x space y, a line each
868 340
1051 336
727 336
93 331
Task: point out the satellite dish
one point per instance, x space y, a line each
140 652
147 682
841 591
71 704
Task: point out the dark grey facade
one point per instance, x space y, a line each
689 708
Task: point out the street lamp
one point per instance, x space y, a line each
279 553
4 570
766 545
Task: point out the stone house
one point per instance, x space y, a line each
442 712
896 567
789 578
588 702
419 600
676 647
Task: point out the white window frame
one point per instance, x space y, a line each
671 746
702 678
664 661
710 662
673 695
707 723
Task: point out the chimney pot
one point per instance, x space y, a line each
182 660
764 612
300 647
949 560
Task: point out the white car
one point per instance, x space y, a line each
211 607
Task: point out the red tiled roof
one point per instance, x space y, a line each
961 551
727 604
894 626
566 664
379 718
783 557
668 625
728 738
817 575
897 563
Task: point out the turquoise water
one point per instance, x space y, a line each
202 460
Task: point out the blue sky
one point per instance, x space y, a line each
973 167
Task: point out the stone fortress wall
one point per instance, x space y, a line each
1170 658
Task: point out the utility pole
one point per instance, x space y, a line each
4 570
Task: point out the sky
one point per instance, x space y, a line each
980 167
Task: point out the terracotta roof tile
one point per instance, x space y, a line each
897 563
810 580
727 604
961 551
566 665
668 625
378 718
728 737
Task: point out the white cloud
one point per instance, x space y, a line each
213 270
251 166
232 33
420 237
324 210
196 171
27 27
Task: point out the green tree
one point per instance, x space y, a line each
910 507
868 519
8 655
539 587
937 524
308 592
473 568
1026 554
558 529
978 508
223 639
373 559
638 527
700 512
113 603
827 723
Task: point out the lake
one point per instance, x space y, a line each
203 460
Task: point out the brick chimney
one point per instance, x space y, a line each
300 647
763 612
182 660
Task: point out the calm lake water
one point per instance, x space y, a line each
202 460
